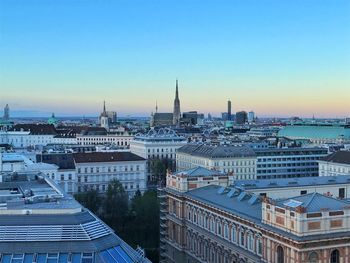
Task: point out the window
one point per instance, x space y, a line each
280 255
313 257
259 246
303 192
250 242
233 234
241 242
342 193
334 256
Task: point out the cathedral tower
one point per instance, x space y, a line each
176 113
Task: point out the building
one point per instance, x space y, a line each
263 131
168 119
119 139
28 135
338 186
65 176
288 162
241 117
239 160
218 224
6 116
41 223
184 181
176 112
95 171
157 145
229 111
251 116
104 121
335 164
318 133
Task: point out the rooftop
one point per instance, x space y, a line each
221 151
314 202
106 157
291 182
199 171
342 157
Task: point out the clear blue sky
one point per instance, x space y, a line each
276 57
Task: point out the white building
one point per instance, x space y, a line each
335 164
239 160
157 145
118 139
95 171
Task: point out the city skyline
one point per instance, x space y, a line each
282 59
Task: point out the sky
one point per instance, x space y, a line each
277 58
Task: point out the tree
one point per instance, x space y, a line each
115 206
90 199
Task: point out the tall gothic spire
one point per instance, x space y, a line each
176 112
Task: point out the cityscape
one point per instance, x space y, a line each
174 132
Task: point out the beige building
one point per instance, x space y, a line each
222 225
238 160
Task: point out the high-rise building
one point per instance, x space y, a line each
177 112
241 117
229 107
6 113
251 116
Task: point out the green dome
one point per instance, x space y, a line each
52 119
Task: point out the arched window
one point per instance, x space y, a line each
280 255
241 238
250 241
233 234
313 257
335 256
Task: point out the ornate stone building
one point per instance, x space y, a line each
225 225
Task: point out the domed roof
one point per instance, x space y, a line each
52 119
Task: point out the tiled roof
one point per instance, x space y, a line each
338 157
106 157
221 151
62 160
36 129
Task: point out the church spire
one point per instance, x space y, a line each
156 106
176 112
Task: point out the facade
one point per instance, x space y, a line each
121 139
239 160
41 223
335 164
338 186
95 170
157 145
288 162
217 224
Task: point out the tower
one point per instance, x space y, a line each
6 113
176 113
104 122
229 114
